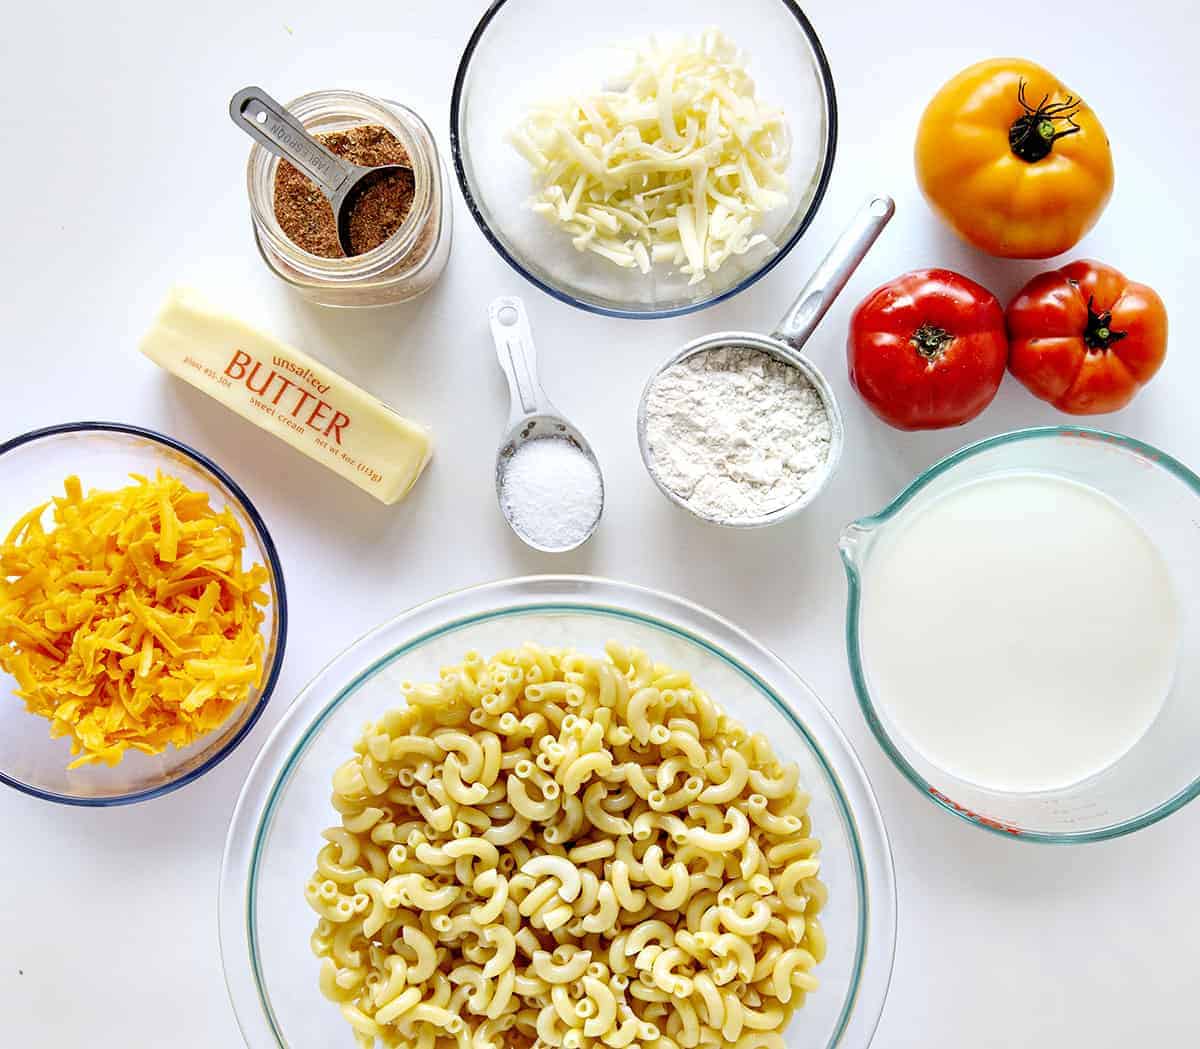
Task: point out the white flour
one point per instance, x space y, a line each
552 493
735 433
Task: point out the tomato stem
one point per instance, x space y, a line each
1033 134
1099 333
930 341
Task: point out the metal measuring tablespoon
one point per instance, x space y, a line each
785 344
531 418
274 128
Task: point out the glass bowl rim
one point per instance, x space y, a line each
248 508
825 74
854 654
280 754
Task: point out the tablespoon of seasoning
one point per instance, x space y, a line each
548 482
342 183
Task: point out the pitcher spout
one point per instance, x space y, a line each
853 542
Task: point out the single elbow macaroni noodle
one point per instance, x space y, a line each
550 850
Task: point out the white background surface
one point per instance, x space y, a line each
123 174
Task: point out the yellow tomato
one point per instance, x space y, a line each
1018 165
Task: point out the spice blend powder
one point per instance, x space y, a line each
306 217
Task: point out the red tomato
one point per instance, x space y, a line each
928 350
1085 338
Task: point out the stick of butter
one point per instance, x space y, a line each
289 394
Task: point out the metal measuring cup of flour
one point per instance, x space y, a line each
785 344
533 418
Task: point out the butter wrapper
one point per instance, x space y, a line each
289 394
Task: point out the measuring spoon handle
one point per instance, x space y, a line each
830 278
518 358
274 128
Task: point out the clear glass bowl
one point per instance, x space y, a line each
103 455
1161 773
265 922
499 77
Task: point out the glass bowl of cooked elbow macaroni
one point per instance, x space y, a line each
559 811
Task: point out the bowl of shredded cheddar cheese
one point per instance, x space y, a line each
142 614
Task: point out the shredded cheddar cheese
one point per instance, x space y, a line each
131 623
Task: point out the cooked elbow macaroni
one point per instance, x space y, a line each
554 850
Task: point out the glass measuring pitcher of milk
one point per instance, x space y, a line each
969 618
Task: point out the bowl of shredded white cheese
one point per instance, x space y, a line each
644 161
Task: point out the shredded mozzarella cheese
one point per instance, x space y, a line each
677 168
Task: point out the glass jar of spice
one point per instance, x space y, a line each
408 261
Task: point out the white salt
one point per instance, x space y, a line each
552 493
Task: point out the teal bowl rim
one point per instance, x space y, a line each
854 654
527 604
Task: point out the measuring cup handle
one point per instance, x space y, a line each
275 129
831 276
518 358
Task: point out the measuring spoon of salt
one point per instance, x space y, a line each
548 482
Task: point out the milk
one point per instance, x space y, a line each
1021 631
